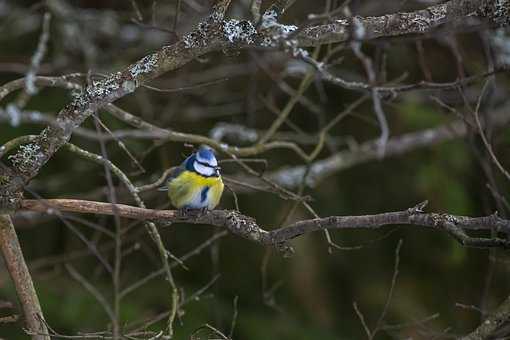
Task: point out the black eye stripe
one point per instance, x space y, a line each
205 164
213 174
208 165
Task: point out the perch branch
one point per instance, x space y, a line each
248 228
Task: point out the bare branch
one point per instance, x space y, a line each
492 323
38 56
15 263
417 22
290 177
247 227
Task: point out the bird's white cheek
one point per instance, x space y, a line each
212 161
203 170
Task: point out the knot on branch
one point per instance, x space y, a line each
244 226
248 228
444 220
418 208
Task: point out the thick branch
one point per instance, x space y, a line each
15 263
417 22
248 228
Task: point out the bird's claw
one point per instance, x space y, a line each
187 212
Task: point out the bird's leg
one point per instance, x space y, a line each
187 212
199 212
183 212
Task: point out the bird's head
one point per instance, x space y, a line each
204 162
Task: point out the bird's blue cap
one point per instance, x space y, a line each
206 155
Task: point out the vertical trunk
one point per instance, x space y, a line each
21 278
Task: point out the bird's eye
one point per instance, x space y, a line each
208 165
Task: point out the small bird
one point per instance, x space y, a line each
196 183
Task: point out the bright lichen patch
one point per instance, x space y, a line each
239 31
275 32
198 38
232 31
28 158
497 11
146 65
102 89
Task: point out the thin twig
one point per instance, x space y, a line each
92 290
484 138
362 320
379 325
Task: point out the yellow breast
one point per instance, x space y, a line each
187 190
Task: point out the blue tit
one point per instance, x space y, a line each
196 183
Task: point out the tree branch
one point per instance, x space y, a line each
18 270
290 177
248 228
492 323
423 21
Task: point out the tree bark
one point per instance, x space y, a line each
11 251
